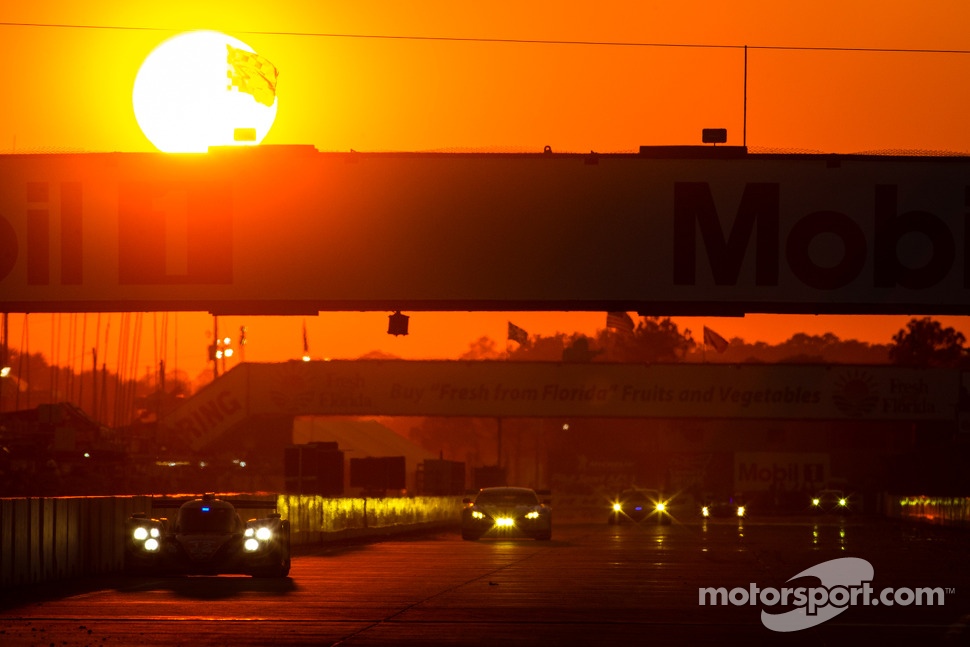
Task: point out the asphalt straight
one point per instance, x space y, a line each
592 584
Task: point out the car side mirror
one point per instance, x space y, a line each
466 500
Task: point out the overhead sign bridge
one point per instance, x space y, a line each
287 230
550 390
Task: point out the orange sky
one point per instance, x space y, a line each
70 89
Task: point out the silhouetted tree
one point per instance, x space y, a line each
374 354
809 349
543 349
925 342
580 351
150 398
801 348
654 339
484 348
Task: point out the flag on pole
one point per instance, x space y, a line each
711 338
517 334
251 73
619 321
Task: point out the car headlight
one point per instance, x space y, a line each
617 507
256 534
505 522
477 514
740 510
141 533
815 501
661 506
706 511
532 515
151 544
843 502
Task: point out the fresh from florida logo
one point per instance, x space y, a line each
856 393
844 582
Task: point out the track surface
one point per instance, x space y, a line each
592 584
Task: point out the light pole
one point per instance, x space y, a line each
225 351
214 347
4 368
242 344
219 349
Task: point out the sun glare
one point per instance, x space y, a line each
204 88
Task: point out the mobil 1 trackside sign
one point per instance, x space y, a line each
293 230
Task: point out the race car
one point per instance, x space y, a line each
636 505
830 502
208 537
506 512
732 506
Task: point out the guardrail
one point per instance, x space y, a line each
48 539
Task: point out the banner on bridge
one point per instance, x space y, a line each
537 389
286 230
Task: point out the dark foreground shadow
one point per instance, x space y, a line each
208 587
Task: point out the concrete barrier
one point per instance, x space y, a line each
49 539
317 519
939 510
46 539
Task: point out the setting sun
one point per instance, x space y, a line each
204 88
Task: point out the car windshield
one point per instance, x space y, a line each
507 498
640 496
201 520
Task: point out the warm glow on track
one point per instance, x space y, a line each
184 101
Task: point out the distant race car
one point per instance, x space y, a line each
830 501
506 512
724 507
208 537
637 505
